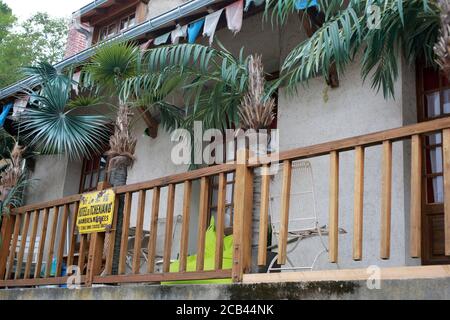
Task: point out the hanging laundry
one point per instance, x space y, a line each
20 105
194 30
4 113
179 32
303 4
255 2
235 14
145 45
162 39
211 22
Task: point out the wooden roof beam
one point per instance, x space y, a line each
151 123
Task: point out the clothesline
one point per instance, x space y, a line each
234 14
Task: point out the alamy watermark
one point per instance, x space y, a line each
214 146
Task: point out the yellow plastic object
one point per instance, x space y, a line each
210 253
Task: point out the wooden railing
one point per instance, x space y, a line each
359 145
54 221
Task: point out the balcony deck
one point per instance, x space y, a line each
18 268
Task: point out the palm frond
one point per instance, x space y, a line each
13 197
211 81
51 127
442 47
47 73
346 32
111 65
84 101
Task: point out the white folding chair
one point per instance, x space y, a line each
302 224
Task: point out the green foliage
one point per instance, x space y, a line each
407 27
212 83
57 122
111 65
14 198
7 20
40 38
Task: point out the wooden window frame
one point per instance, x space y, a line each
88 170
116 21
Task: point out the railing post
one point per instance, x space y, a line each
446 151
242 221
95 256
6 231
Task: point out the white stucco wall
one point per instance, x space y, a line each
156 7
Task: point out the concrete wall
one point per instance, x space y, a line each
54 177
426 289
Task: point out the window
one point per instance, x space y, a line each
120 25
108 31
127 22
433 102
93 172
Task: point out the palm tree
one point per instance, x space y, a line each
256 112
58 121
108 69
406 27
146 80
13 176
212 83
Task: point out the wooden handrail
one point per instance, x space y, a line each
348 144
177 178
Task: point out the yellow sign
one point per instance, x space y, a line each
95 213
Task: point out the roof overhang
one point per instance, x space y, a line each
97 11
150 28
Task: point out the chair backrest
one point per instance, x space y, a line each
302 210
161 235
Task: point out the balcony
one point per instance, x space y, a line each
53 241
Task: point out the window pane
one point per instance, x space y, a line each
434 160
214 197
435 190
103 163
229 196
102 175
123 24
132 21
95 163
433 139
112 29
446 102
430 79
87 182
229 217
432 105
94 179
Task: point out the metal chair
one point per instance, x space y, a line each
159 243
301 226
